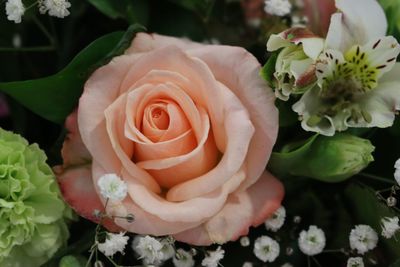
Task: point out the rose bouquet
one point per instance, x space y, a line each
200 133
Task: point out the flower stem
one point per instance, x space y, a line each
44 30
27 49
376 178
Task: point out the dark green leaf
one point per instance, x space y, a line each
201 7
54 97
133 11
267 72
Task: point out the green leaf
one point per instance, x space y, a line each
395 264
328 159
202 7
133 11
267 72
54 97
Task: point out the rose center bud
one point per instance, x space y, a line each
159 118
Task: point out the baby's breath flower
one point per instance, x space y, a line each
247 264
312 241
149 249
287 265
213 257
397 172
277 7
266 249
390 226
114 243
276 221
363 238
112 187
355 262
14 10
56 8
183 259
168 248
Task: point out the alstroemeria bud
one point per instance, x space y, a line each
330 159
295 64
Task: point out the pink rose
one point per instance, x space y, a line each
189 127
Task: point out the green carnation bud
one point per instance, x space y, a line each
330 159
32 213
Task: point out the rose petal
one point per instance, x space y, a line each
144 42
205 206
242 210
237 69
78 191
74 151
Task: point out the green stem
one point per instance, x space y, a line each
376 178
27 49
316 262
44 30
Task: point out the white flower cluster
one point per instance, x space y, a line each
213 258
277 7
114 243
154 251
112 187
363 238
266 249
390 226
355 262
276 221
397 172
55 8
312 241
15 9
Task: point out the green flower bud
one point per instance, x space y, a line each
329 159
32 214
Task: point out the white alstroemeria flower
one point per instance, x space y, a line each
355 262
266 249
363 238
112 187
213 258
295 64
312 241
114 243
358 78
397 171
390 226
15 10
276 221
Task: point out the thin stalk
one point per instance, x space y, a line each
376 178
27 49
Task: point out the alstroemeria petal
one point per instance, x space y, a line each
364 19
338 36
381 104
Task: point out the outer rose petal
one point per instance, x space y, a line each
73 150
242 210
78 191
